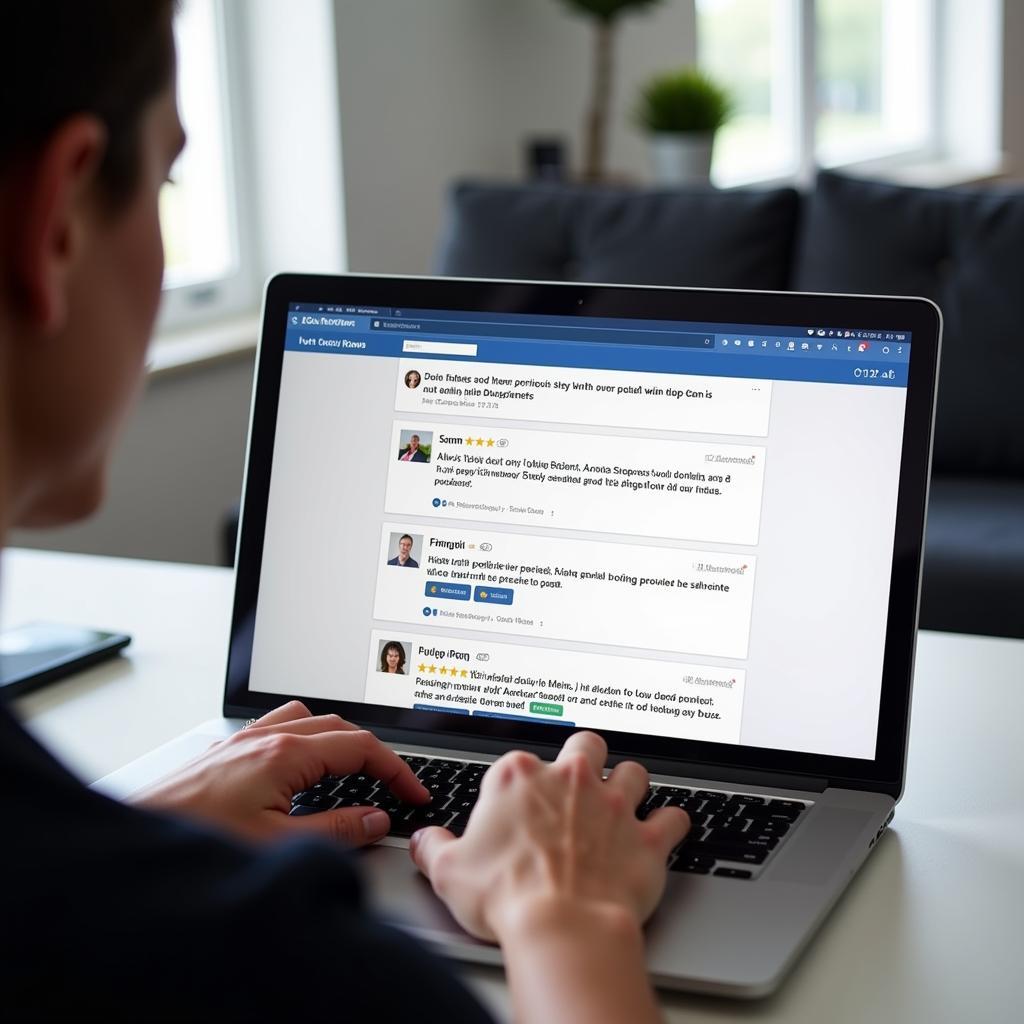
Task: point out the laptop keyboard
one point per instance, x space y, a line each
732 834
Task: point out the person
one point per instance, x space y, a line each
392 658
204 899
404 556
412 379
412 451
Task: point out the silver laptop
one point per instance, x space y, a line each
481 514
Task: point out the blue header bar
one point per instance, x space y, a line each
758 364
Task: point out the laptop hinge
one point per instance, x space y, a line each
713 773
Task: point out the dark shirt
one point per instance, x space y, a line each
111 913
409 563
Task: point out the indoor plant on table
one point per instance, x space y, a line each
682 110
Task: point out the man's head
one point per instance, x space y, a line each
405 547
89 132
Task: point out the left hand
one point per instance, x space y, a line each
245 784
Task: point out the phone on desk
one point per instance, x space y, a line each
42 652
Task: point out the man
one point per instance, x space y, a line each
207 901
404 556
411 452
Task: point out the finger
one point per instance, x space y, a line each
426 845
632 779
589 745
341 753
305 726
351 826
290 712
667 826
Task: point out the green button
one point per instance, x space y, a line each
540 708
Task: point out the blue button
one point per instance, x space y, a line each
447 591
493 595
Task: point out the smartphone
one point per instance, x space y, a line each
42 652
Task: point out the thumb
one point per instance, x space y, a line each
351 826
426 844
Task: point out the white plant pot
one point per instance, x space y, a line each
682 158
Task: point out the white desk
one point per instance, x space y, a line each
931 930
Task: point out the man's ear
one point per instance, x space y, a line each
48 222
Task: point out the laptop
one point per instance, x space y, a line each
478 515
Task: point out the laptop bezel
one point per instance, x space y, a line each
919 316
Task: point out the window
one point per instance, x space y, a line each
818 82
206 269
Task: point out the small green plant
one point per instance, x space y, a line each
683 101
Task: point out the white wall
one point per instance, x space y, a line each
434 91
176 471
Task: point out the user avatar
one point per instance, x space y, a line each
392 658
404 557
412 379
415 447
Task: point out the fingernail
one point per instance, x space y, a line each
375 824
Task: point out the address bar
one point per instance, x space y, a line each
439 348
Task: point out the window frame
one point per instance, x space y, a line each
200 302
803 117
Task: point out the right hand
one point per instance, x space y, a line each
547 838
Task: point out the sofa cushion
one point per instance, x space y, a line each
974 557
962 249
694 236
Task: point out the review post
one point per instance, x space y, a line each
625 595
570 688
626 485
656 401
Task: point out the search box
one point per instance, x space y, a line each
438 348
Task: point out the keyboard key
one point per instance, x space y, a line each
300 809
733 873
697 863
318 801
794 805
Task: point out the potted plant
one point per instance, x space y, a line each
606 14
682 110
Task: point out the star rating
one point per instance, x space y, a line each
479 442
443 670
490 442
469 440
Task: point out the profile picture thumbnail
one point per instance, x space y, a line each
391 657
405 549
413 379
414 445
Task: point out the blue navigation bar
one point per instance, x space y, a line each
871 366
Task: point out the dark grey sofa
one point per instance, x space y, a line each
962 248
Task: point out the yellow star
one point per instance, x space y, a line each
421 668
432 669
479 442
443 671
490 442
464 673
469 440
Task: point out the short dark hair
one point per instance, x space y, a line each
406 536
59 58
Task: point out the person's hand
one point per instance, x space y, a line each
245 784
549 840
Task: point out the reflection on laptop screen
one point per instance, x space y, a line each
665 528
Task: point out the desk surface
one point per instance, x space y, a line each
928 931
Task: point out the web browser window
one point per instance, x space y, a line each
665 528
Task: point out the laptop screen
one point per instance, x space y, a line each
666 528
